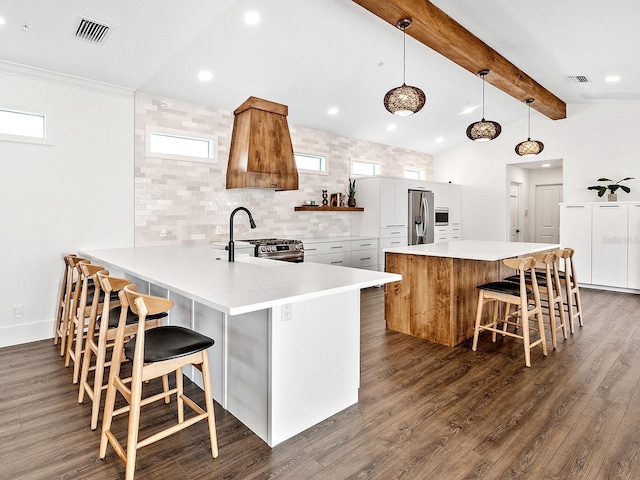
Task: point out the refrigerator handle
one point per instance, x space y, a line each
425 215
420 220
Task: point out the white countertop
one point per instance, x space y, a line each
474 249
246 285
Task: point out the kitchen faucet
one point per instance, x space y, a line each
231 246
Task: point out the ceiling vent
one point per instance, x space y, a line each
92 31
577 79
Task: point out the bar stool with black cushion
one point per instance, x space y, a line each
81 316
72 293
550 292
101 333
569 280
153 353
510 293
63 297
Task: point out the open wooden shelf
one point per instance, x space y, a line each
311 208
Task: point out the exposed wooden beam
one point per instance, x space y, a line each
438 31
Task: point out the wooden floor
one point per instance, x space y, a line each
425 412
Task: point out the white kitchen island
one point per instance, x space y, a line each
287 351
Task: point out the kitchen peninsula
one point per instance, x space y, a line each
287 351
437 298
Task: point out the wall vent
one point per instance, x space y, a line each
577 79
92 31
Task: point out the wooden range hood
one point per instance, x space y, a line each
261 154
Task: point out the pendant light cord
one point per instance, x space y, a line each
529 126
482 97
404 55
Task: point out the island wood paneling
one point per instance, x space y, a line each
437 297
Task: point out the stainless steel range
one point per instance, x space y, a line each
278 249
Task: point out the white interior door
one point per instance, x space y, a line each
548 198
515 233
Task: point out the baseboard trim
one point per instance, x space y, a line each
25 333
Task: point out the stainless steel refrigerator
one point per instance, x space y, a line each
421 217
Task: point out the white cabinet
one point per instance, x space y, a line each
633 246
344 252
606 239
575 232
386 209
394 203
609 245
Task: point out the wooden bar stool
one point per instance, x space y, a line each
569 280
101 333
80 316
153 353
550 292
72 293
510 293
63 297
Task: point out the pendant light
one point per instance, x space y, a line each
404 100
484 130
529 147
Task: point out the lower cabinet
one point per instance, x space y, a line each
609 245
633 246
606 240
359 253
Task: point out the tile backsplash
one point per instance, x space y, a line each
182 202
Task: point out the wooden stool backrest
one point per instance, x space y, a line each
522 265
142 305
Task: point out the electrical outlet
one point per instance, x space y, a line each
218 229
287 312
163 232
17 311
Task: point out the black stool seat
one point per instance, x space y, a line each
542 273
112 298
165 343
508 288
114 317
541 278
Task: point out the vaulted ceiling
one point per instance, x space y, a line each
313 55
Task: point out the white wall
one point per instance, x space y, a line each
593 141
57 199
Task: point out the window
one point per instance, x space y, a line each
311 163
22 125
414 173
174 145
359 167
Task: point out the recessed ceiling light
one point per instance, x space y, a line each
439 140
333 111
612 78
392 127
2 21
252 17
545 165
205 76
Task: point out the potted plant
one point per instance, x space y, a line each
351 193
612 187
